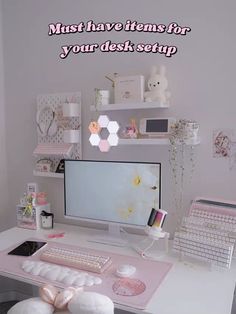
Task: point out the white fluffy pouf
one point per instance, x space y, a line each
90 303
32 306
81 303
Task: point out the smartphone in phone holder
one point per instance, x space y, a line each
155 244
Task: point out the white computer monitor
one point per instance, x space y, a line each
116 193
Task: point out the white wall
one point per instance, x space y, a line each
201 76
4 217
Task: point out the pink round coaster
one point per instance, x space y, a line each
128 287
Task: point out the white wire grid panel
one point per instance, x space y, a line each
55 102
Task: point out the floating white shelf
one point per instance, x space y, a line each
48 174
136 105
49 149
153 141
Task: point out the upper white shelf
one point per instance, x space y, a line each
153 141
136 105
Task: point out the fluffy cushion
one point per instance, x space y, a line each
32 306
90 303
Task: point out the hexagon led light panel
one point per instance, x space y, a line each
94 139
113 139
103 121
113 127
104 146
95 128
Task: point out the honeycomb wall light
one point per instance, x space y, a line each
96 128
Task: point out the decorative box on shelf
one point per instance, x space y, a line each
30 219
129 89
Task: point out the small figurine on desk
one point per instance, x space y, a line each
131 131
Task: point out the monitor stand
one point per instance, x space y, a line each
111 237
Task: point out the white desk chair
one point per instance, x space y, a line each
80 303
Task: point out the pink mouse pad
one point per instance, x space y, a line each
135 291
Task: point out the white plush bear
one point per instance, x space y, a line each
157 85
71 300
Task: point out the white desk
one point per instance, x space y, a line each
187 289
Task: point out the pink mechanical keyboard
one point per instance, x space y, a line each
77 258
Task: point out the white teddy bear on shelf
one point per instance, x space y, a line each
157 85
70 300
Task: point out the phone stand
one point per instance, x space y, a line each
155 233
154 245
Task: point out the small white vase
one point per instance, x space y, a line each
102 97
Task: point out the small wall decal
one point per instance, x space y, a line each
222 143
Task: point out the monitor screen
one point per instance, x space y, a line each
112 192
